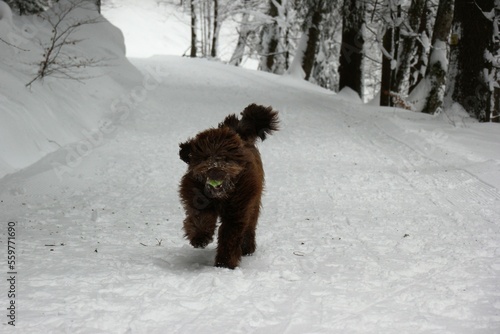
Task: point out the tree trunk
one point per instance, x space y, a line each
193 30
244 32
215 35
312 41
473 32
495 60
408 42
351 50
270 39
395 50
385 85
420 58
438 63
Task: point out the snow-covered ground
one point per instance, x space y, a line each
374 220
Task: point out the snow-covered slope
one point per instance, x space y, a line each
374 220
38 120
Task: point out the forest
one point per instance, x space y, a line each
420 55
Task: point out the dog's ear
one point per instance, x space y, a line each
231 122
185 151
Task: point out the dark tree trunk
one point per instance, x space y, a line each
495 52
473 32
98 4
395 50
351 50
215 35
437 70
193 30
312 41
270 39
385 85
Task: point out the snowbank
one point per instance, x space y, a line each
51 114
5 14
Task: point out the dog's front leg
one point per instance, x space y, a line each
229 244
199 227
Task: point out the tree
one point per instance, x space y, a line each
419 59
326 62
215 35
207 17
494 59
306 51
270 38
243 34
470 83
351 50
193 30
312 24
388 53
409 35
438 61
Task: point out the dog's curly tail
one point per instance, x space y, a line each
257 122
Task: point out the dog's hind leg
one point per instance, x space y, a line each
199 228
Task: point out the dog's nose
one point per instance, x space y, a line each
215 174
215 178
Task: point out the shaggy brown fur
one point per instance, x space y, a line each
224 180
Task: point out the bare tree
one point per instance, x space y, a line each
419 59
193 29
270 38
215 35
472 74
243 34
436 75
409 37
312 27
388 52
351 50
56 60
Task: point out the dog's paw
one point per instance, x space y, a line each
224 262
248 248
200 242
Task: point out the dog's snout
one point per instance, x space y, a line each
216 174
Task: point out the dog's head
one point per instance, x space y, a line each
216 158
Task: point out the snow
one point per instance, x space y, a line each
439 54
295 70
375 220
5 13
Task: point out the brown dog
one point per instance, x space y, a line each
224 180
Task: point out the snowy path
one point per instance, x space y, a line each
366 227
